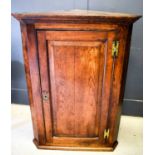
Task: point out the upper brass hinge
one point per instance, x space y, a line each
115 46
106 133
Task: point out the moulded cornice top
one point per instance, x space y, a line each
83 16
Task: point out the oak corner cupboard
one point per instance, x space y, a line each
76 63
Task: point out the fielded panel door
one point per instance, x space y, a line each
75 71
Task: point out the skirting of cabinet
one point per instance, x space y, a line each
76 148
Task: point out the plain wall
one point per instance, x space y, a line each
133 98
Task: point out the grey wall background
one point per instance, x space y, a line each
133 99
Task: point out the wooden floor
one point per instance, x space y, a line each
130 136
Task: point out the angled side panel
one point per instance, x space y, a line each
33 80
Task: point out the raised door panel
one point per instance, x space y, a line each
73 72
75 84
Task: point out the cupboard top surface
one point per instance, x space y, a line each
77 15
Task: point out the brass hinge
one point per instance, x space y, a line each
106 133
115 46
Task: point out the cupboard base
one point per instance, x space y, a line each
76 148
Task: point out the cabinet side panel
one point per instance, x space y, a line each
35 82
116 86
127 36
28 79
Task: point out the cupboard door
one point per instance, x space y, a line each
75 71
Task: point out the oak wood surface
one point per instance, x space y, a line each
75 85
44 81
77 16
74 93
33 80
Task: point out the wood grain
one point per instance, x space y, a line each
78 35
68 56
73 91
28 79
64 90
45 88
33 79
86 63
79 16
79 27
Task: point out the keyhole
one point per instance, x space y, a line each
45 96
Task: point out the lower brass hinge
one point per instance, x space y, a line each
106 133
